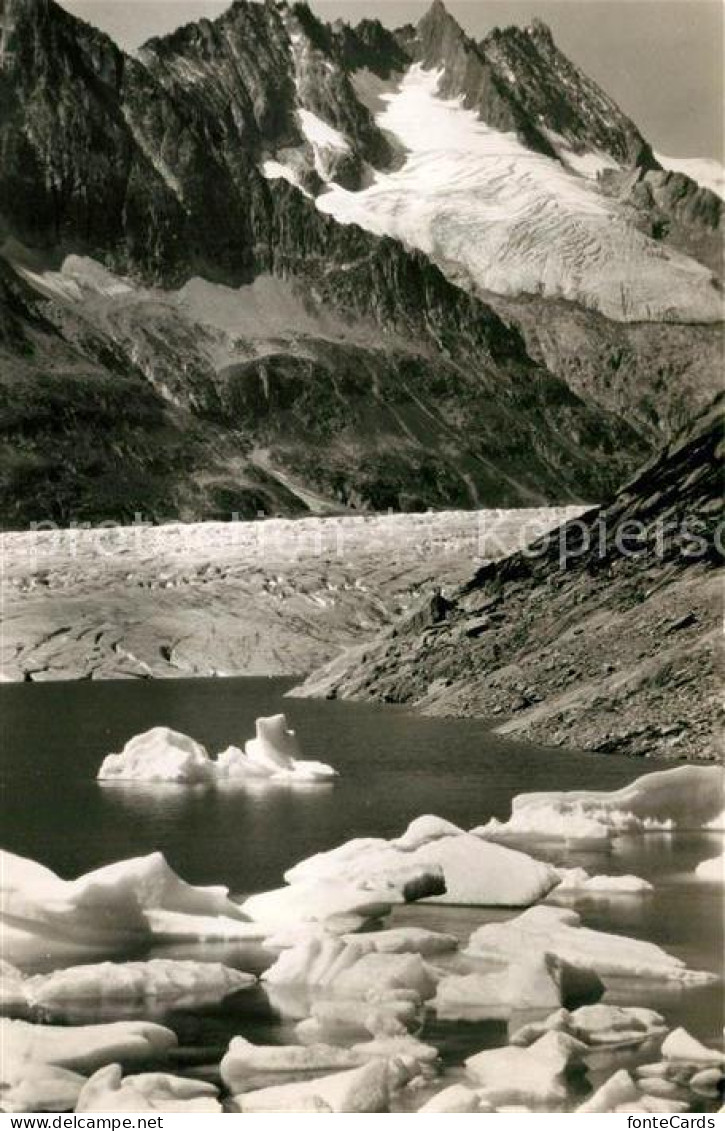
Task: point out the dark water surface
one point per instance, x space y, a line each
393 765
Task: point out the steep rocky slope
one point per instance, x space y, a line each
605 635
160 207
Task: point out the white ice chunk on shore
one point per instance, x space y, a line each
164 755
178 981
560 932
159 755
712 870
108 1090
83 1048
686 797
107 910
365 1089
475 872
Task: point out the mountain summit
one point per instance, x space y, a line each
300 243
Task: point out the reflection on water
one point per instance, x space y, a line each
393 766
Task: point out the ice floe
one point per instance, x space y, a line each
712 870
620 1089
455 1099
12 991
179 981
560 932
406 940
350 970
539 982
347 1019
599 1026
680 1046
37 1087
164 755
245 1064
474 871
686 797
83 1048
107 910
533 1076
365 1089
578 880
159 755
346 906
109 1090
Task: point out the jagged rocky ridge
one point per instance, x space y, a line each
604 635
420 394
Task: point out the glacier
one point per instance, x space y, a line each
497 217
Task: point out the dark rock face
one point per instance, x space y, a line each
555 94
604 635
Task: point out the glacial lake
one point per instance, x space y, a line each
394 766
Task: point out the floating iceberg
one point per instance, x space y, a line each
159 755
365 1089
533 1076
687 797
560 932
108 1090
107 910
181 982
578 880
712 870
539 982
164 755
475 872
274 754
